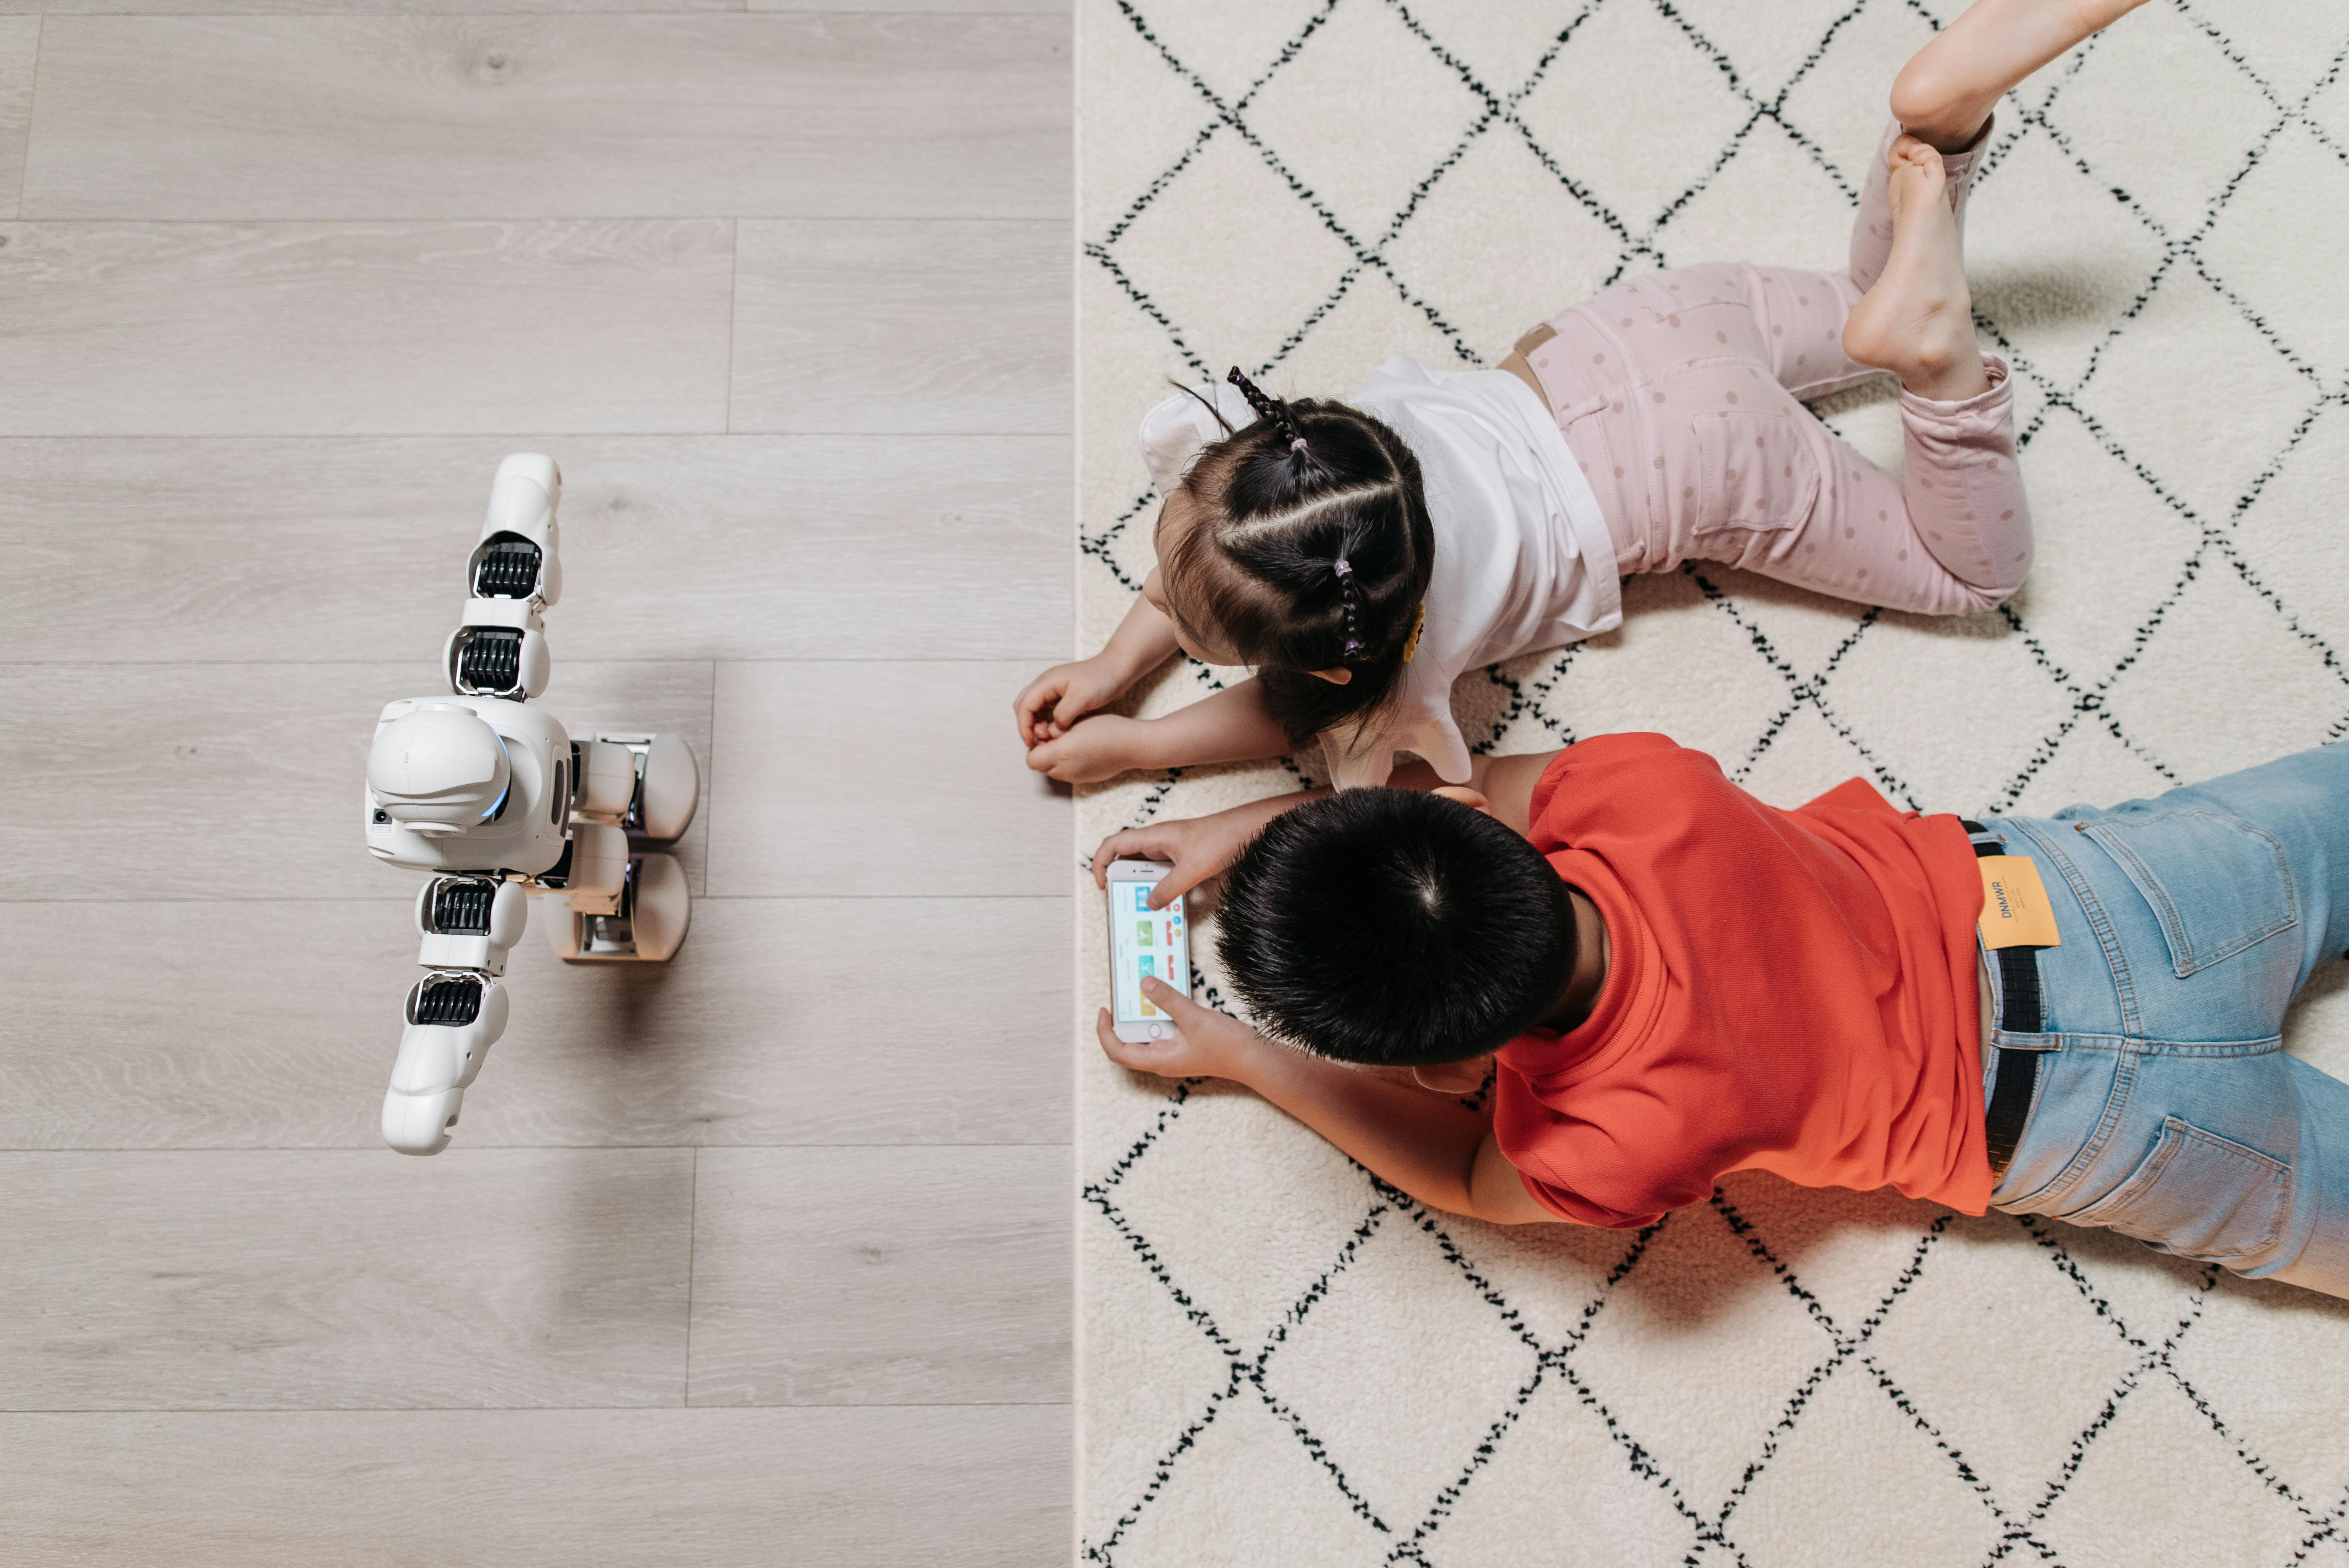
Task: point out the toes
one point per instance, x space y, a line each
1910 153
1914 178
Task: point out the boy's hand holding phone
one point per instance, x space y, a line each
1147 942
1153 1025
1195 847
1204 1043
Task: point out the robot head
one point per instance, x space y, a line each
439 770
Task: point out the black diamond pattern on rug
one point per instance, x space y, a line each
1402 1387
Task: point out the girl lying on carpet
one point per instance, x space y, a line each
1363 555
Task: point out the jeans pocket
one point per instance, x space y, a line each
1755 473
2199 1196
2215 883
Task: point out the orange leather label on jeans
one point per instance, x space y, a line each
2014 911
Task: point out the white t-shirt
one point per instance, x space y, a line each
1523 558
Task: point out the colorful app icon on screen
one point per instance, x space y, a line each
1142 933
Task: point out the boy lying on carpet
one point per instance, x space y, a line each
1670 980
1363 555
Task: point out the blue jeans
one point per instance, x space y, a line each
2165 1108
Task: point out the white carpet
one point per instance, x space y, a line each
1282 1363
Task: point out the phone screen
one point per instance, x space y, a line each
1144 941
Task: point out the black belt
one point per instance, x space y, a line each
2019 1014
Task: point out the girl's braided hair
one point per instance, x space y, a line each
1311 549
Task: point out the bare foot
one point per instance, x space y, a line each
1945 93
1917 320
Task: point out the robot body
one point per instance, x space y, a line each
523 829
498 803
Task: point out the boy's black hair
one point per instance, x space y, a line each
1394 928
1313 551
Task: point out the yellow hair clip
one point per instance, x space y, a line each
1418 624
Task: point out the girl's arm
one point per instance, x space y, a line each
1053 701
1143 641
1430 1145
1232 726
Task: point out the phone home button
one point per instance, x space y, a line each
1157 1031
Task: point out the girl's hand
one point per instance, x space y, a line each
1204 1043
1050 705
1197 847
1103 747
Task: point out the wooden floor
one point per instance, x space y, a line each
761 1257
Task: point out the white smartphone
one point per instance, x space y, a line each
1143 940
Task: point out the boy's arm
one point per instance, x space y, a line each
1427 1144
1201 847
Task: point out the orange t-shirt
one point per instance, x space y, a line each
1786 991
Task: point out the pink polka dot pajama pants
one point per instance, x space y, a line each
1680 394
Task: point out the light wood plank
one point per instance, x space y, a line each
312 1279
673 547
244 782
902 326
956 1487
302 235
504 8
881 777
557 117
361 7
393 327
795 1021
20 41
881 1275
1053 7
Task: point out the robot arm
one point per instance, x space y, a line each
456 1012
499 650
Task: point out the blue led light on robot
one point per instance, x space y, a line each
499 804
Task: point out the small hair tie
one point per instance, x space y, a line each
1273 410
1342 567
1418 624
1353 647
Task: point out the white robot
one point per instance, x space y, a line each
496 802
